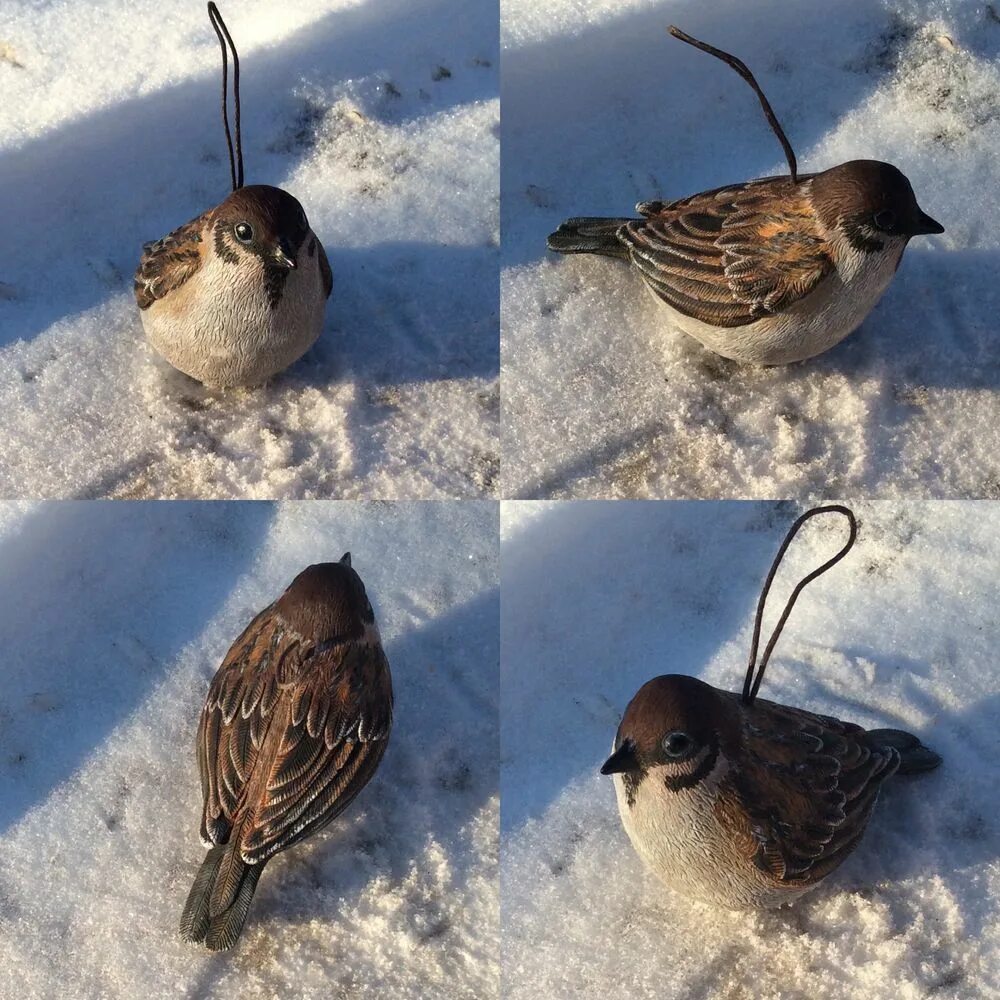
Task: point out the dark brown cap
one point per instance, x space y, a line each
671 719
327 601
264 219
869 199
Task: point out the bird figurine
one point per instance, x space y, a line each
295 723
770 271
237 294
745 803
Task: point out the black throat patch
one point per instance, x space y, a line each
631 781
275 277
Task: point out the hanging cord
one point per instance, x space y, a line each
235 161
750 684
741 68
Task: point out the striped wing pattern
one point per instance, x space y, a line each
730 256
819 779
290 733
168 263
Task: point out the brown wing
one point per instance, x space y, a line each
168 263
324 269
289 735
731 256
809 784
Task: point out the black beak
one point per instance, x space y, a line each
623 759
924 225
284 255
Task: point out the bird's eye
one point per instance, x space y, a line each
885 220
244 232
677 744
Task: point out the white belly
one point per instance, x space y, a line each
220 328
679 837
807 328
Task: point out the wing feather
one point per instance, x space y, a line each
289 735
167 263
809 784
731 256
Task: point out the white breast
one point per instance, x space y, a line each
678 835
220 328
812 325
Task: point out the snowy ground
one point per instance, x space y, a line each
601 109
381 116
599 597
115 617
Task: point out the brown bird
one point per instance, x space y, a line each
296 721
767 271
745 803
237 294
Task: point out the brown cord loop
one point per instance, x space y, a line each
235 161
750 684
741 68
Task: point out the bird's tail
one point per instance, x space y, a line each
589 235
219 900
914 757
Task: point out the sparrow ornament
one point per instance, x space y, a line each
295 723
237 294
745 803
773 270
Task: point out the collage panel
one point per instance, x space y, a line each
651 338
226 368
652 825
116 618
423 568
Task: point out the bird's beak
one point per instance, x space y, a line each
925 226
284 255
623 759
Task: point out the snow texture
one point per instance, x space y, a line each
380 116
115 618
601 109
599 597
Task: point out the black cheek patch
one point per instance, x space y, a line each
222 248
860 240
679 782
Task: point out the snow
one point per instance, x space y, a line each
115 617
601 397
599 597
382 118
